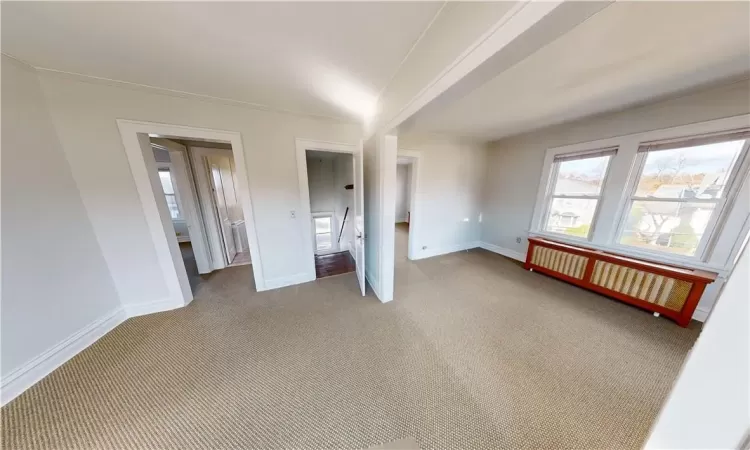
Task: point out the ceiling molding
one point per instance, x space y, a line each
181 94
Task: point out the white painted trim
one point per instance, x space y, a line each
387 149
414 204
701 314
431 252
165 243
16 382
519 18
503 251
141 309
299 278
302 146
183 238
374 287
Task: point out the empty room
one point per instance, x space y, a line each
360 225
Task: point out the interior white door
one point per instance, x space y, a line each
359 217
222 210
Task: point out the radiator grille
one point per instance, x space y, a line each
566 263
649 287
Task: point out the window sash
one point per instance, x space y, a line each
718 216
552 184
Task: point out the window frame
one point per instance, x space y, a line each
334 243
718 216
730 226
552 183
167 167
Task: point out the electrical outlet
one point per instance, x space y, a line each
518 240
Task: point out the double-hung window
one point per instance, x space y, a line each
680 192
574 192
165 176
323 229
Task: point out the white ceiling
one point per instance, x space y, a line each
626 54
329 59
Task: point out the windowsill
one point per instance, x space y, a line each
627 251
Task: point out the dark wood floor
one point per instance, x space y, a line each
333 264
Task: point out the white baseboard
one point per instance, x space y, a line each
700 314
30 373
374 286
430 252
140 309
302 277
503 251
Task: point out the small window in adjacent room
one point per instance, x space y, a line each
323 228
575 191
166 184
680 192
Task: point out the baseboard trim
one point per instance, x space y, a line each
701 314
299 278
15 383
140 309
503 251
429 253
375 288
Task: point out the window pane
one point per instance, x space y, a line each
166 181
322 225
571 216
581 176
323 241
674 227
691 172
174 210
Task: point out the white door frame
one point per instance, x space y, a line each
414 217
303 145
188 200
135 139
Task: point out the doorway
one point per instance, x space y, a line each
198 179
331 191
405 242
136 137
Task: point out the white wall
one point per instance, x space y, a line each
55 280
709 406
402 192
449 193
379 166
84 114
320 179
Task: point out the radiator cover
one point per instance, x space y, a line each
668 290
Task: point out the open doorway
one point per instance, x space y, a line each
330 179
184 175
405 240
331 185
199 183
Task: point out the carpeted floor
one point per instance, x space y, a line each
474 352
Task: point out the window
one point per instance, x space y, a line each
680 192
166 184
323 227
575 191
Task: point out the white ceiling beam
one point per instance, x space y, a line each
502 42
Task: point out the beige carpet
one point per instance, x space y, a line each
474 352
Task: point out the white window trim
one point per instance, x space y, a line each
167 166
720 247
334 236
550 196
